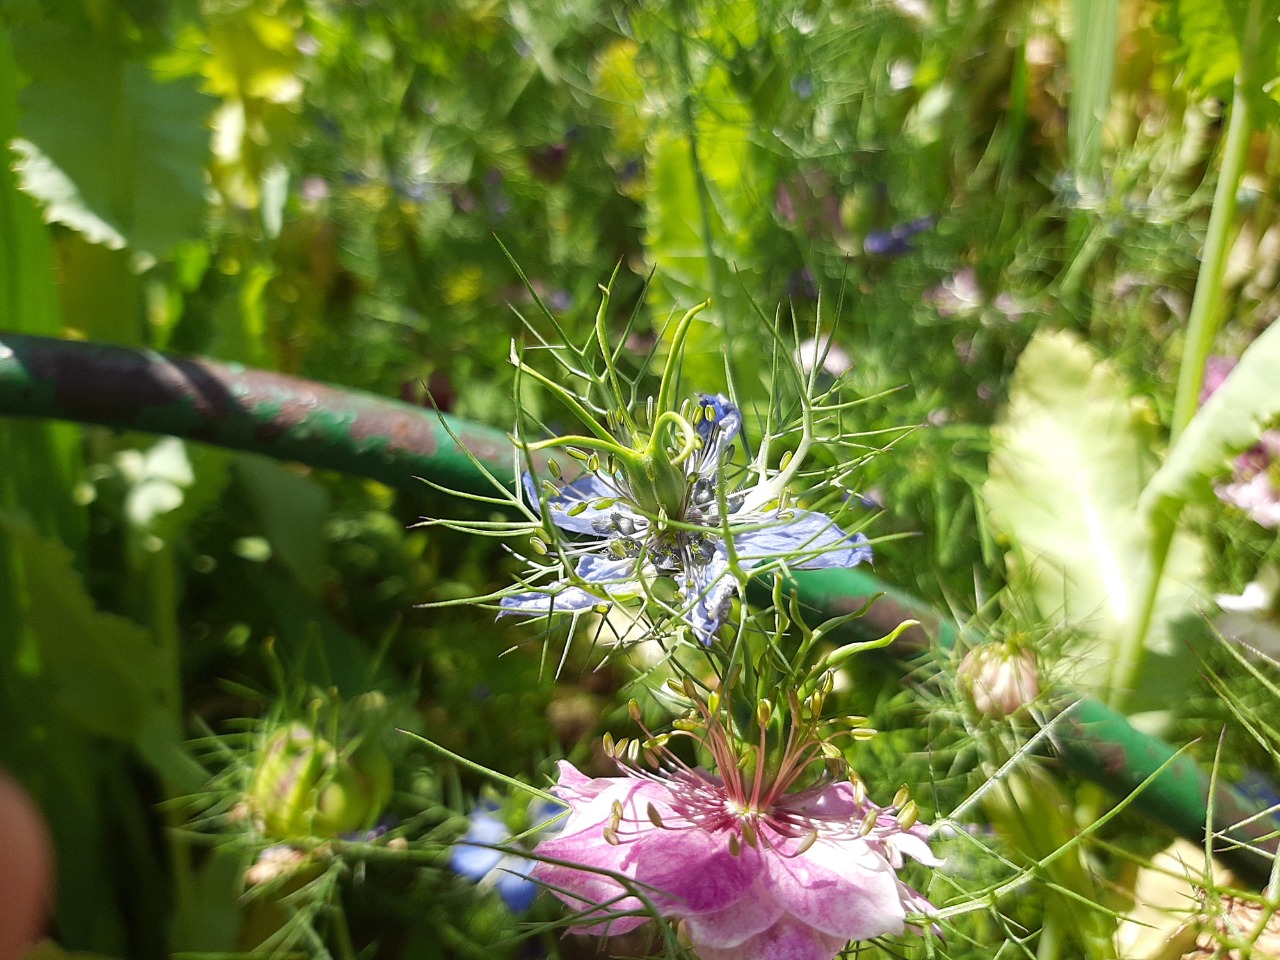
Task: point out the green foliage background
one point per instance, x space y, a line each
324 189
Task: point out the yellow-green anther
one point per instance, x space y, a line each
764 713
633 709
580 455
538 546
908 815
554 467
611 836
578 508
902 797
868 824
831 751
809 840
607 745
735 845
654 817
593 462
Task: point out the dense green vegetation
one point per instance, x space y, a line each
1022 226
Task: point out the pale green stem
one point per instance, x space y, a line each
1128 660
568 399
1201 327
688 437
667 386
602 338
1205 305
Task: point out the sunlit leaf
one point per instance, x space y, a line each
1211 35
111 151
1070 457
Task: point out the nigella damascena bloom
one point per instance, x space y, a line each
751 870
480 855
622 543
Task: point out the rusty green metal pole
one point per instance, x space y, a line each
230 405
360 434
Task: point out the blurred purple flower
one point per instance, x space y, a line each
896 241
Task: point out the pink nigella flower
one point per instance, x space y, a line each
751 871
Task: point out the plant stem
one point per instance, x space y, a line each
1202 323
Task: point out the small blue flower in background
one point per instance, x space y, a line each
478 857
896 241
627 546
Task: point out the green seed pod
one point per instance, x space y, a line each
304 787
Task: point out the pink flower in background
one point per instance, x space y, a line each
751 871
1255 477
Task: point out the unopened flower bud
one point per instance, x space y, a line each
999 679
304 787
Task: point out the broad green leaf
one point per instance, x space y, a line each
1211 36
1230 421
105 671
1069 459
111 151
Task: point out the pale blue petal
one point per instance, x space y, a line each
609 572
473 862
712 596
719 426
558 598
579 494
585 489
513 883
806 539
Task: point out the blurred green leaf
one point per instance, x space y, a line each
105 671
1070 456
292 508
111 152
1211 35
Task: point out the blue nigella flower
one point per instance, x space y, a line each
622 547
478 855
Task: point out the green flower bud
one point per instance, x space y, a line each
303 786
